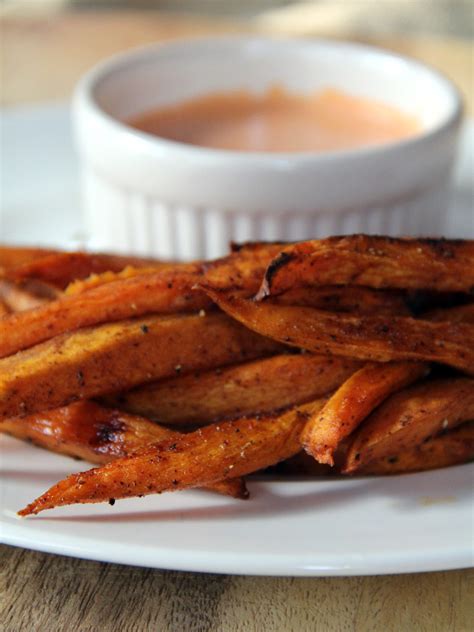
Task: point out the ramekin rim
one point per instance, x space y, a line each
84 97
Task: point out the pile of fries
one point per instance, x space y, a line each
349 354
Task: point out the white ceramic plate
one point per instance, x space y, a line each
410 523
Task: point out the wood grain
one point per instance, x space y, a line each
59 594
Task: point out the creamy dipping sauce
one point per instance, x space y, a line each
278 121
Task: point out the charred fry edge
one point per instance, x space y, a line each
233 448
435 258
352 298
99 435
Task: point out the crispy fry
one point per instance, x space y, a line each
100 360
243 269
242 272
87 431
410 417
14 256
172 268
61 268
159 292
3 308
261 386
233 487
362 300
352 402
378 262
209 454
452 448
302 464
40 289
459 314
256 247
149 337
94 280
99 435
18 298
379 338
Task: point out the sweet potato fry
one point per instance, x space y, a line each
3 308
99 435
380 338
18 298
251 247
87 431
40 289
209 454
261 386
242 270
378 262
96 361
61 268
352 298
452 448
410 417
302 464
162 292
94 280
14 256
352 402
233 487
459 314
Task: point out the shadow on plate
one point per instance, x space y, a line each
410 492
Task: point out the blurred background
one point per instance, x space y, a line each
47 44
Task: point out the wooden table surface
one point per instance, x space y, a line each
42 57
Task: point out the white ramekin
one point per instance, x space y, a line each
148 195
